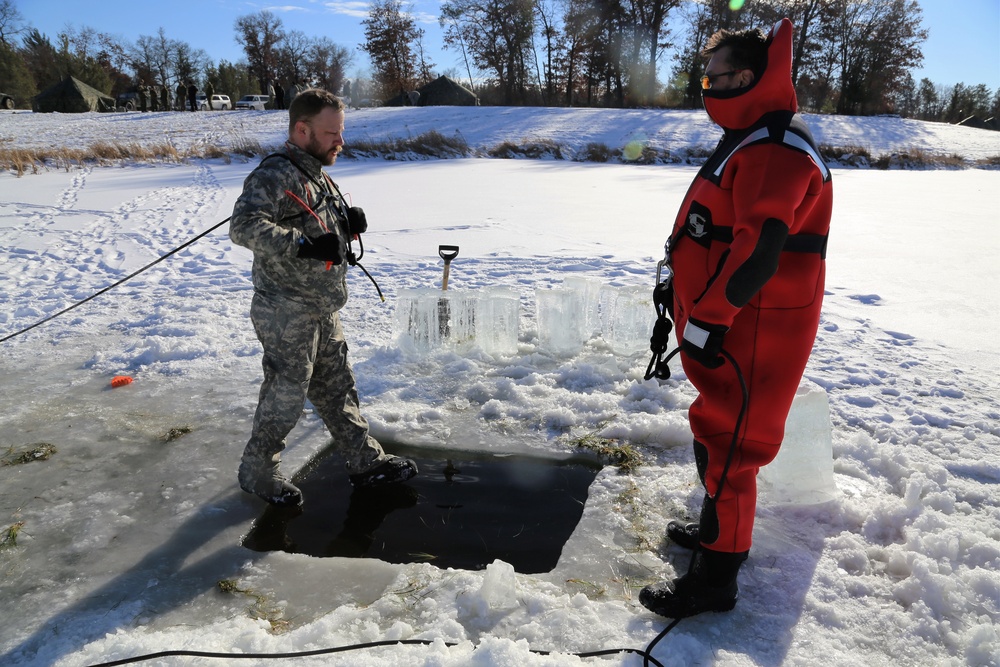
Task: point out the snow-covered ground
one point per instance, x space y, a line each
125 533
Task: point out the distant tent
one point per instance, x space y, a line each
71 96
442 91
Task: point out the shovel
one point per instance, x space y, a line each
447 253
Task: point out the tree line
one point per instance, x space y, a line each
851 56
31 62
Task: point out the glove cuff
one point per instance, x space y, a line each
696 335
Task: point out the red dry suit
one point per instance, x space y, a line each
748 250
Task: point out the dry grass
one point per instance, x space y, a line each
916 158
534 150
39 451
21 161
595 152
433 144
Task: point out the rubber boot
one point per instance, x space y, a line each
709 585
683 534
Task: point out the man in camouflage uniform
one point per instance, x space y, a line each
293 218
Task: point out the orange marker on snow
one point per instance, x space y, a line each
120 381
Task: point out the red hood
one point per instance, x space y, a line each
772 91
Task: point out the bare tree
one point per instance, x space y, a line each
11 22
649 19
497 34
875 43
261 35
326 64
291 61
390 36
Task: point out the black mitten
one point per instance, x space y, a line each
356 220
703 342
327 248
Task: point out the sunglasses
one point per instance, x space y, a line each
709 79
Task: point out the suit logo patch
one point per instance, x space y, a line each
698 224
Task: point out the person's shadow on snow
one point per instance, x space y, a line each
113 605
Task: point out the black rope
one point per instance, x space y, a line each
739 420
352 260
646 653
111 287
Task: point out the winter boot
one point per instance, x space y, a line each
709 585
684 535
266 482
391 471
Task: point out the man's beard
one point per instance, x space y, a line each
325 157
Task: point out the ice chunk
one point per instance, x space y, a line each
561 321
802 473
628 316
499 589
498 316
427 318
589 293
418 320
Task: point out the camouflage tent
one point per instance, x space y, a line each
442 91
71 96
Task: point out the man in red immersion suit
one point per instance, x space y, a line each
747 252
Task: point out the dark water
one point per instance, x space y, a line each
464 510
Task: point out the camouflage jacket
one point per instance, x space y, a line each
272 223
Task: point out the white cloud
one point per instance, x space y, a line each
356 9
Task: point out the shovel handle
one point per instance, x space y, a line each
447 253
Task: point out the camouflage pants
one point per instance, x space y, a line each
305 357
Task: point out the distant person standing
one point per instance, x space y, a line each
165 97
140 91
180 93
209 93
279 96
192 96
292 216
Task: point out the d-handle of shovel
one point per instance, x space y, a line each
447 253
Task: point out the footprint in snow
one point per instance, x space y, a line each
867 299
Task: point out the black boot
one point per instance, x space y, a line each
683 534
709 585
393 470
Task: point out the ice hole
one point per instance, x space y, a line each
464 510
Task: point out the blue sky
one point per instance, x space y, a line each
964 42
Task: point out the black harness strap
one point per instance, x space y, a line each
807 243
342 221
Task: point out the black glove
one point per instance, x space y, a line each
356 220
703 342
327 248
